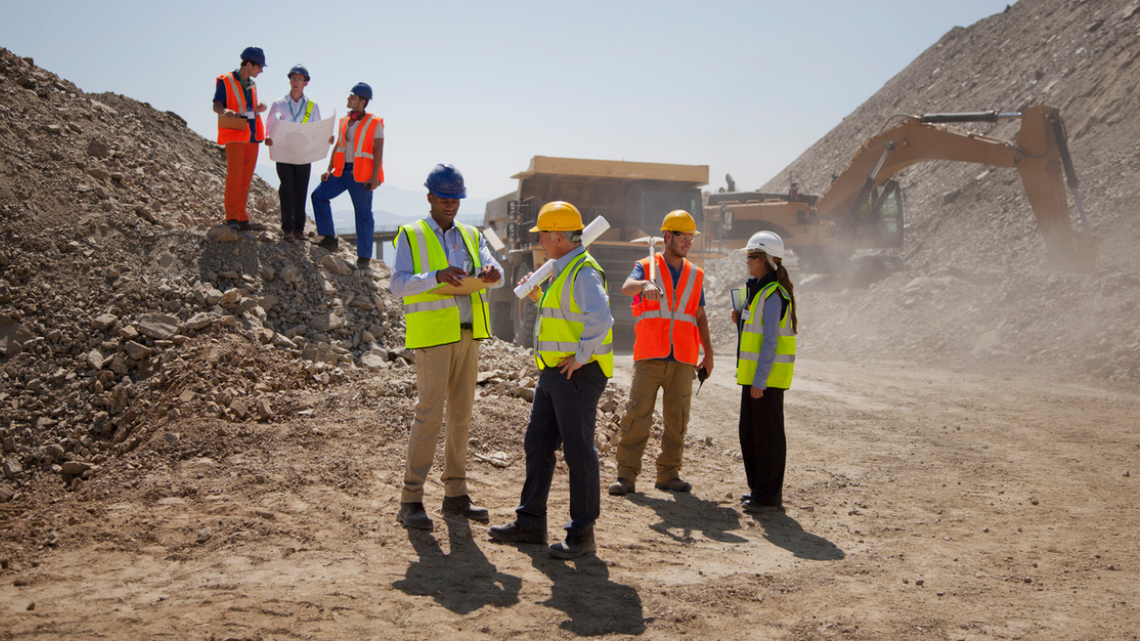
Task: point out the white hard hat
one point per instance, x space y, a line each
766 241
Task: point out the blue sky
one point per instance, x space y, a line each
743 87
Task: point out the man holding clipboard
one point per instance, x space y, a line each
441 269
240 130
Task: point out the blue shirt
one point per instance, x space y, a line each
406 282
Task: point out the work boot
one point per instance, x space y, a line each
287 237
413 515
232 224
462 506
363 262
574 546
674 484
298 235
515 533
329 242
621 487
759 508
247 225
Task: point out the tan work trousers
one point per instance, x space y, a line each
676 382
443 372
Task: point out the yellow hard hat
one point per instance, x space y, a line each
680 221
558 216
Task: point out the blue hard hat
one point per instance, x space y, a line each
301 70
445 181
363 90
254 55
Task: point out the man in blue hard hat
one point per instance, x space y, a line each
235 101
356 166
294 106
443 329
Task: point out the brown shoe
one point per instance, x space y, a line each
674 484
298 235
621 487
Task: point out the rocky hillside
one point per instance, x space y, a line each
976 287
127 311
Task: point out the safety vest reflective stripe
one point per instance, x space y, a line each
555 346
235 101
558 331
234 95
752 340
433 319
362 148
669 326
780 358
308 112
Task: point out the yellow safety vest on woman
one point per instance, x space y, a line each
752 337
433 319
560 321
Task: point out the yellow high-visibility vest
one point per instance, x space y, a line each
752 337
558 329
433 319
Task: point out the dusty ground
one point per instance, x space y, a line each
922 504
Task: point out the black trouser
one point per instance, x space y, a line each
294 190
763 444
563 414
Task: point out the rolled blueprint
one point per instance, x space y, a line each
596 228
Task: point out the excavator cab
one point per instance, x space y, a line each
875 219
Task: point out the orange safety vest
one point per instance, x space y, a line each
363 149
658 331
235 101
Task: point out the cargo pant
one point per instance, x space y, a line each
676 382
443 372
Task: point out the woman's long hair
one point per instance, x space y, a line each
785 281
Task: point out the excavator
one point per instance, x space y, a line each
863 207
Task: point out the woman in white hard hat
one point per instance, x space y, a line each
765 358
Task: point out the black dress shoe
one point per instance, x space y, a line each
759 508
574 546
413 515
462 506
514 533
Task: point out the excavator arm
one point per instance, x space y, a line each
1040 154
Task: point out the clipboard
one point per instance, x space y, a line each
233 122
469 285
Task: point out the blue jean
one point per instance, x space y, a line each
361 204
564 413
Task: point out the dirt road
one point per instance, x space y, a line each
921 504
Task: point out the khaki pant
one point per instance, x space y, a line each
442 372
676 382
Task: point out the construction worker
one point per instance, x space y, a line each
357 165
293 107
443 330
574 351
766 358
670 328
235 97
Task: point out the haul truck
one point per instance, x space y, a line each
863 207
632 196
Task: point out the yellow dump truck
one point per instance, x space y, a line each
633 197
